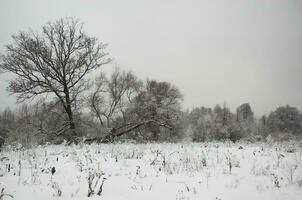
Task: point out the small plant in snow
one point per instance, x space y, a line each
217 153
180 195
93 182
159 154
277 156
2 194
254 163
236 163
229 162
207 175
55 186
289 172
33 172
20 167
137 170
275 180
101 186
204 162
52 171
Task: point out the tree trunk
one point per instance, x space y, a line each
155 135
70 115
71 122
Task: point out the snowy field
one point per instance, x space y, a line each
189 171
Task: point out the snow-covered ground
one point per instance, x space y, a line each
192 171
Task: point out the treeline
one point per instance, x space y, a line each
53 70
219 123
122 107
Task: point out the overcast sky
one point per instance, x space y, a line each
214 51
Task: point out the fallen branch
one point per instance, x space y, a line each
126 128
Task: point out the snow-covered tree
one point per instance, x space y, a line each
245 119
285 119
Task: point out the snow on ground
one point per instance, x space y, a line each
188 171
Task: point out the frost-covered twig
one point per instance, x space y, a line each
56 187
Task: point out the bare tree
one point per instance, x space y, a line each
111 97
56 62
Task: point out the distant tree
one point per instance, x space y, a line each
7 120
222 115
225 124
201 122
188 134
263 127
244 112
245 120
56 62
24 124
285 119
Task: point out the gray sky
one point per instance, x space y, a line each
214 51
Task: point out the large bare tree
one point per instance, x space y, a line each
55 62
